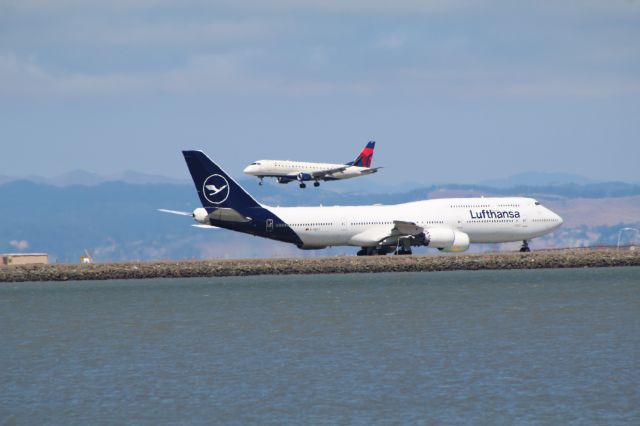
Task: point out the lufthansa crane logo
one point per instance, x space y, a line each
215 189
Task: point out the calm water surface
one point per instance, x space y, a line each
492 347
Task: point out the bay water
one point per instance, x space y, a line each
481 347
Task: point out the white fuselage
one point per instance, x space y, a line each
484 220
290 169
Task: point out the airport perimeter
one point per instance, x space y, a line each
565 258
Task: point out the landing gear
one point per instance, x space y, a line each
403 247
316 184
260 183
525 247
367 251
303 185
372 251
401 251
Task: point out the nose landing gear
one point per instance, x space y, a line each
525 247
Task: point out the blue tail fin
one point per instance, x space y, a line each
215 187
365 157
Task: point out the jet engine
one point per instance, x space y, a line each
446 239
310 247
304 176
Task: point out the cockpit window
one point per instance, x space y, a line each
537 203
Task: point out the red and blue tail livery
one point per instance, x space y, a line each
365 157
448 224
286 171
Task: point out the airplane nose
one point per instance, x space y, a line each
247 169
557 219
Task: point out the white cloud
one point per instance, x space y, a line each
190 33
319 56
163 34
326 6
20 245
512 82
392 41
224 73
231 74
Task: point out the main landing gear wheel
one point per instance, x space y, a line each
374 251
371 251
401 252
525 247
403 247
303 185
316 184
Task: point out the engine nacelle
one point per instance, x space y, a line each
312 247
200 216
446 239
304 176
284 179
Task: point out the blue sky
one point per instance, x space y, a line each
453 91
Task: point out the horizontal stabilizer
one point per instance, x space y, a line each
370 171
175 212
226 214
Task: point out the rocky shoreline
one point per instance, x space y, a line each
571 258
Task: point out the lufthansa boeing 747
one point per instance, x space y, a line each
286 171
448 224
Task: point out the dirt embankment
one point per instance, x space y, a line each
576 258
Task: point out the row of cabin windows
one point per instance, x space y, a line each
391 222
545 220
472 206
428 222
491 221
306 167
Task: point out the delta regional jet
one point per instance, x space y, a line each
448 224
286 171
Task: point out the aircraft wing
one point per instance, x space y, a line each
406 228
322 173
370 170
382 236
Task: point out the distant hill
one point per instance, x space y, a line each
538 179
119 221
85 178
